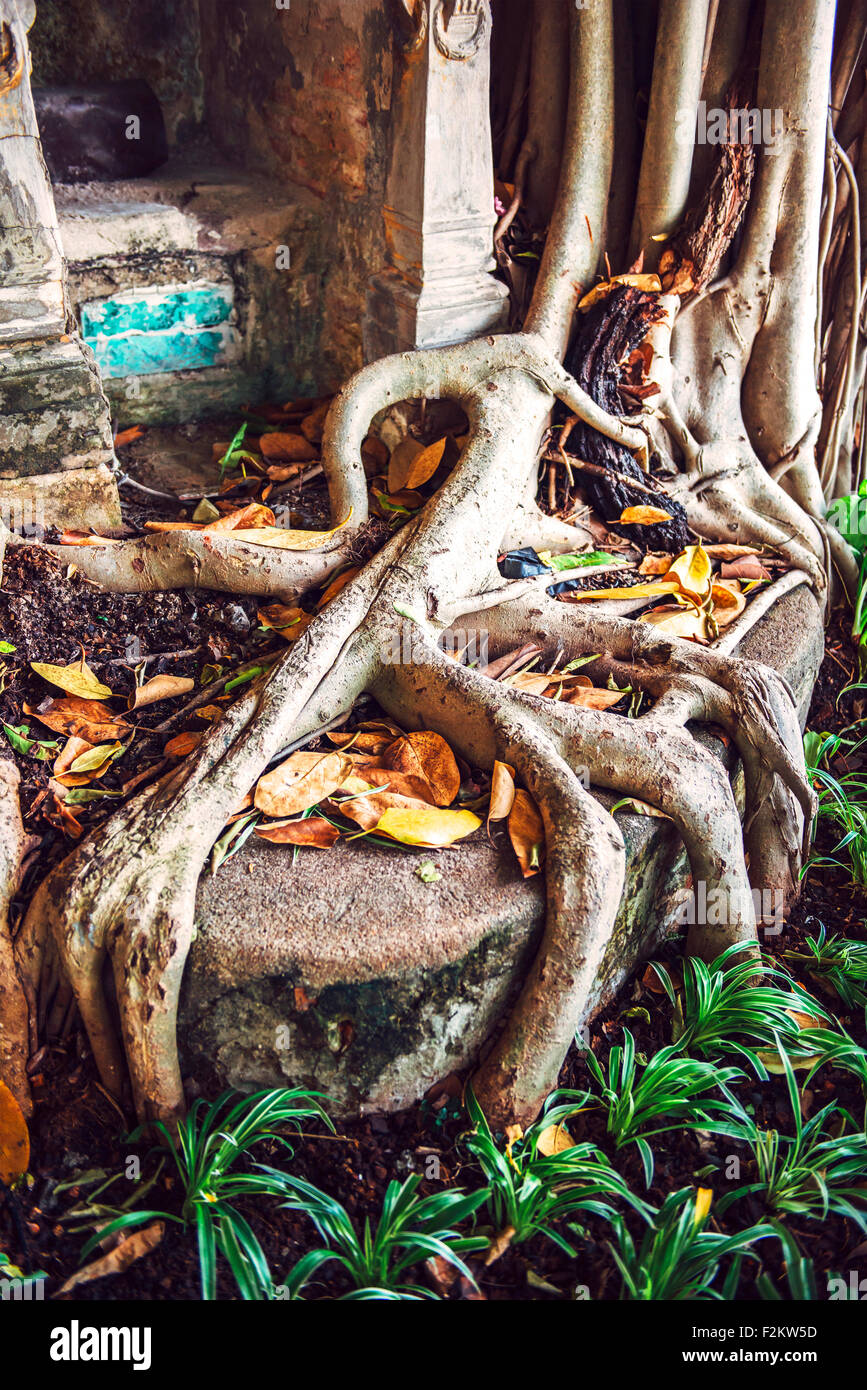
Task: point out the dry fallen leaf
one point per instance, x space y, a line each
14 1138
159 688
338 583
554 1140
692 570
745 567
527 833
313 425
87 538
76 679
313 830
643 516
430 827
279 539
406 472
426 754
691 622
289 622
502 791
655 564
367 808
593 698
117 1260
640 808
286 448
182 744
302 781
88 719
727 601
660 586
254 516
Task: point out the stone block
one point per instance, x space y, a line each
351 975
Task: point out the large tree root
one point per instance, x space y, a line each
734 425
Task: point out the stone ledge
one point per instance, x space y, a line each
350 974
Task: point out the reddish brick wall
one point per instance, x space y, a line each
304 94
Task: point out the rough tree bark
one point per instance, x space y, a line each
734 427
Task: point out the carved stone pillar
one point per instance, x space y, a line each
439 210
55 427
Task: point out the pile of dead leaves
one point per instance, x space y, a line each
704 600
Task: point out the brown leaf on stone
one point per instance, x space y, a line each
745 567
404 783
314 831
301 781
527 833
592 698
367 809
426 754
502 791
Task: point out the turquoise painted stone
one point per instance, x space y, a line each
143 354
160 328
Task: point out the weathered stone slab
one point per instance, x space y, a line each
79 499
351 974
53 414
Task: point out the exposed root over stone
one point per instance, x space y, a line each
128 894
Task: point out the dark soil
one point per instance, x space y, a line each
77 1127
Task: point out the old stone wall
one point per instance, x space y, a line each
81 41
303 94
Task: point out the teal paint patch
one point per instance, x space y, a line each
157 309
144 354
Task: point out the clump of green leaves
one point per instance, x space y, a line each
205 1150
410 1230
739 1004
530 1190
678 1257
843 799
644 1098
838 963
809 1174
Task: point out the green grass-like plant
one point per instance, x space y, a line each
529 1191
670 1091
410 1230
205 1149
678 1257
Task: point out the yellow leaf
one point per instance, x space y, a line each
703 1199
14 1138
692 569
643 516
554 1140
502 791
428 826
661 586
93 758
279 539
77 679
303 780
